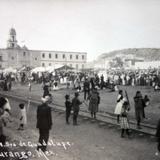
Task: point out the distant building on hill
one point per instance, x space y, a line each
147 65
118 61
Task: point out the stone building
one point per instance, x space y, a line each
16 56
76 60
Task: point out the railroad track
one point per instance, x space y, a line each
103 118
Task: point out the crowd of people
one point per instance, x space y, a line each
90 86
109 79
149 77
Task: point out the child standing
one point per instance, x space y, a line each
68 106
146 103
23 116
7 111
124 119
146 100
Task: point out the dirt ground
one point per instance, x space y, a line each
108 99
87 141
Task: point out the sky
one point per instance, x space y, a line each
92 26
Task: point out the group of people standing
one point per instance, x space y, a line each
44 116
123 107
72 105
94 100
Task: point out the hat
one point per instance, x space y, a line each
138 94
66 96
21 105
76 94
45 99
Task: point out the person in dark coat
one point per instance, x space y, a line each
102 82
139 105
5 88
158 137
94 101
75 105
86 88
46 90
2 110
3 148
99 99
92 83
44 122
68 106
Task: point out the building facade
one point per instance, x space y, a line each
111 62
76 60
16 56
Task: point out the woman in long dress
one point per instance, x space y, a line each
94 101
139 105
124 119
119 105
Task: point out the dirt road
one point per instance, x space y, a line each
88 141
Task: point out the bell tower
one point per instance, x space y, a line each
12 42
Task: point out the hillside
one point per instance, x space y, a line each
149 54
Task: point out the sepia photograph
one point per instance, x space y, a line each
79 80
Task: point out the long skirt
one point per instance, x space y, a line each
93 108
124 123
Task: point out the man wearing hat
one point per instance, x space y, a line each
68 106
44 122
86 88
75 104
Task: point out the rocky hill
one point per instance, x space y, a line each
148 54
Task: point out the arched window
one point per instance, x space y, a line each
43 64
50 64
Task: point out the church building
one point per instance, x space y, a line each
16 56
